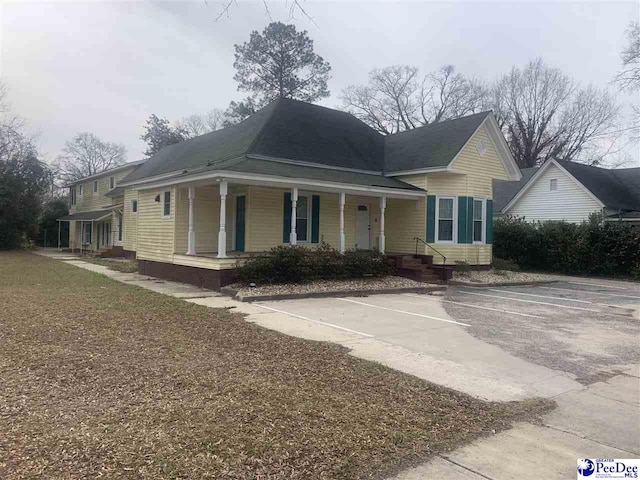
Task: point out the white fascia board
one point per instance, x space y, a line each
311 164
285 182
585 189
504 153
416 171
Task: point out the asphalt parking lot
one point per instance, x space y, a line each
583 328
576 341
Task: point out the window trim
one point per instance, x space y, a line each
484 221
96 187
162 204
454 240
309 197
134 210
551 180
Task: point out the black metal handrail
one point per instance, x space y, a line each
418 239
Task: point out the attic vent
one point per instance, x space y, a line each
481 147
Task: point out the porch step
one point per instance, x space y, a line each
415 267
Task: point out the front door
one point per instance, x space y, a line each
363 227
240 214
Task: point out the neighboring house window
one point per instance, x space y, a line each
120 227
553 184
166 204
80 189
134 206
95 186
302 218
445 228
478 220
72 192
112 183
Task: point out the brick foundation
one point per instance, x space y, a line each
200 277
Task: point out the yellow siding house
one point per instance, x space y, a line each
297 173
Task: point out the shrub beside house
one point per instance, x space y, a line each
594 247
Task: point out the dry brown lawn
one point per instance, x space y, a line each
102 379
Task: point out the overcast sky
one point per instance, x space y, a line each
104 67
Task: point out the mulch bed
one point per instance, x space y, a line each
103 379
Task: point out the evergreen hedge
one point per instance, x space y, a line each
299 264
595 247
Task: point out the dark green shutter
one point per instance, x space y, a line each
286 213
462 219
431 219
489 221
465 219
315 219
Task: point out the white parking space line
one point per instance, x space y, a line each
592 293
404 312
598 285
478 306
541 296
314 321
529 301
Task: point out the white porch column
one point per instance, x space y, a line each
342 238
293 236
191 238
222 235
383 206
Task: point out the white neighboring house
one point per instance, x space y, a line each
570 191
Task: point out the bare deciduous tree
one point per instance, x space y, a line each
86 155
629 77
397 99
545 114
196 125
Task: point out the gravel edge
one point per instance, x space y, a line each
330 294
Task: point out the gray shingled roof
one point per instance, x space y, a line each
88 216
266 167
433 145
618 189
292 130
505 190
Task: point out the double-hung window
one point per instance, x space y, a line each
302 218
95 186
134 206
445 227
478 220
80 189
112 183
166 204
72 192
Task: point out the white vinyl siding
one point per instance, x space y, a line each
569 202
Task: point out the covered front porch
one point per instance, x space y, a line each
219 222
94 231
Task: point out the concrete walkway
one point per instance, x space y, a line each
601 420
